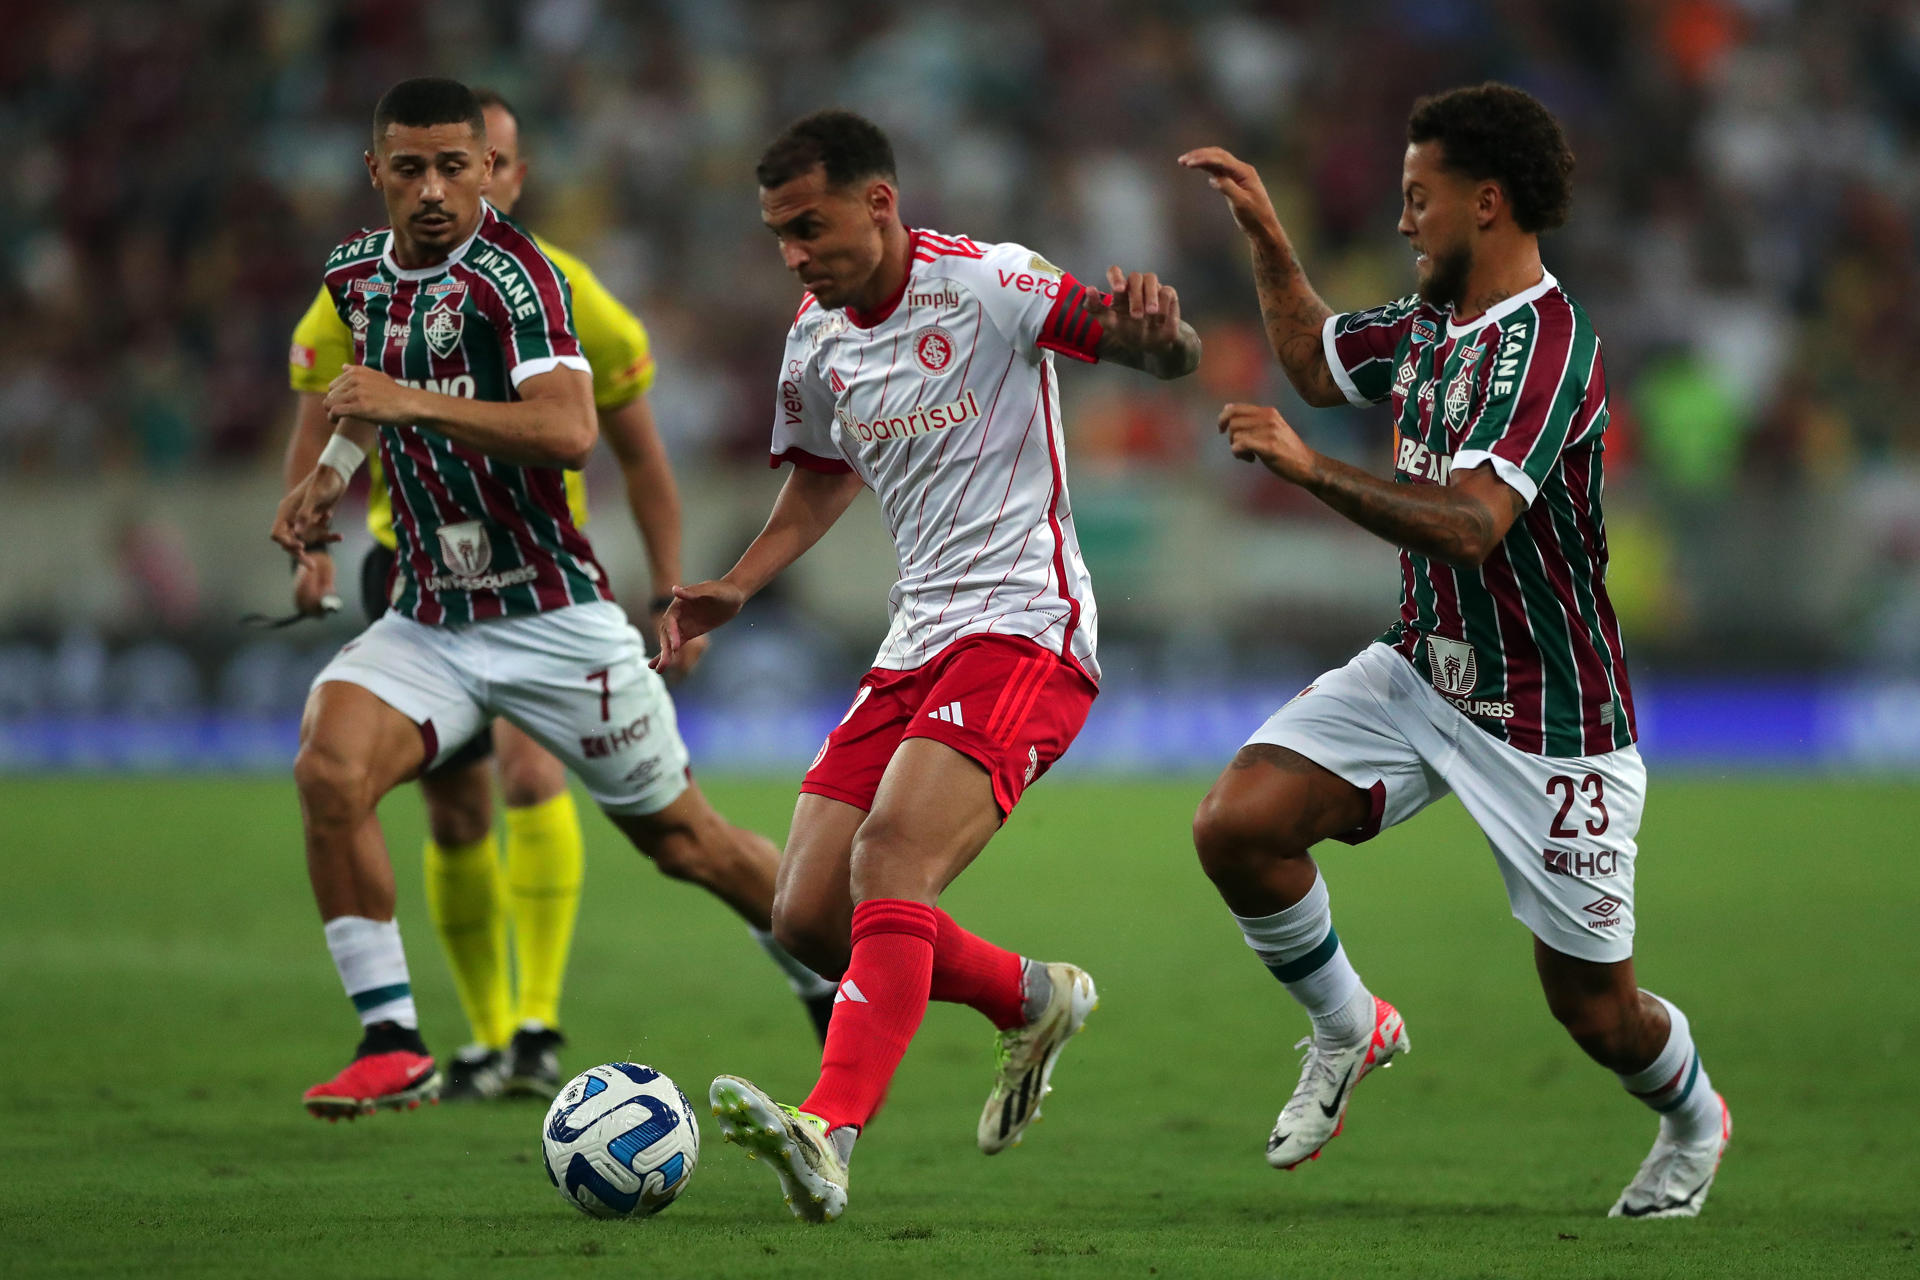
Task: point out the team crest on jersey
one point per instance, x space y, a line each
934 348
444 321
1460 390
465 548
1454 669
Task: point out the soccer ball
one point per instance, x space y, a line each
620 1141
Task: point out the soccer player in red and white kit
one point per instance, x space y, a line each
921 365
1504 679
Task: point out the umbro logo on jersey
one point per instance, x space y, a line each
848 991
950 713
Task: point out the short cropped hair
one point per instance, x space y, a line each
847 146
1496 132
417 104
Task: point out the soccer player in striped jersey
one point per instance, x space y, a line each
467 371
515 1021
921 365
1504 679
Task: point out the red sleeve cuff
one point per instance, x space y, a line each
1071 328
809 462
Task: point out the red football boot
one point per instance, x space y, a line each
381 1075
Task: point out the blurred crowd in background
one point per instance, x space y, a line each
1743 234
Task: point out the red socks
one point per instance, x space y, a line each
970 970
880 1005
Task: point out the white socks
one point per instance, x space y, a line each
1676 1085
806 984
373 969
1301 949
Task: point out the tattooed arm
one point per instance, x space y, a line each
1292 312
1459 523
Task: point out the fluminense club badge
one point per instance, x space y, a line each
443 326
1460 389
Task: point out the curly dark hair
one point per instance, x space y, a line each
1495 131
847 146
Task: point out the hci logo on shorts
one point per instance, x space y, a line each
465 547
1454 670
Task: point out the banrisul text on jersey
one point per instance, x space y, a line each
1527 644
476 537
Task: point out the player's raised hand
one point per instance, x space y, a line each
1257 433
368 394
686 658
695 611
1142 327
305 514
1240 183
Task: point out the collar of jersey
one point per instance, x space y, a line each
388 261
1505 307
877 316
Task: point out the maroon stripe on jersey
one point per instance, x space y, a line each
547 284
1551 351
1053 517
1579 476
426 471
1526 675
427 608
1590 673
1409 610
549 591
339 282
549 487
493 305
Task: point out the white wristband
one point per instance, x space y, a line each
343 455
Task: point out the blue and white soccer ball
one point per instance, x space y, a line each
620 1141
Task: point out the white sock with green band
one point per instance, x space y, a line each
1676 1085
373 969
1301 949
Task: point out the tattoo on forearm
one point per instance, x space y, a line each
1293 314
1434 520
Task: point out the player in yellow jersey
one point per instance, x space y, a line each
515 1042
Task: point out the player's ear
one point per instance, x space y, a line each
373 169
882 201
486 166
1488 199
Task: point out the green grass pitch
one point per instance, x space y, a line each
167 996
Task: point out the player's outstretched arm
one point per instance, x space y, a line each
1143 329
1293 313
654 499
552 424
809 504
1459 522
313 578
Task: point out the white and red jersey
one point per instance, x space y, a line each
944 401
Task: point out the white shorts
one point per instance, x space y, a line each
1562 828
575 679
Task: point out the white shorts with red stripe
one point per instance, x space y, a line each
1562 829
575 679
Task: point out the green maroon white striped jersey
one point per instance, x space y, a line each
1527 645
477 538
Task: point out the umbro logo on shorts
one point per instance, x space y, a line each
950 713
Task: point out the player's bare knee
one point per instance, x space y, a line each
888 863
527 782
1234 835
458 824
334 788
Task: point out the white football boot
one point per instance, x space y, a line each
812 1176
1028 1055
1317 1111
1674 1178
